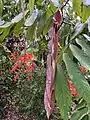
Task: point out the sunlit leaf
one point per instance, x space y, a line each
5 25
32 18
56 3
1 7
78 29
86 2
18 17
31 5
77 6
1 22
85 13
86 36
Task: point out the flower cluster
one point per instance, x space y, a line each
22 64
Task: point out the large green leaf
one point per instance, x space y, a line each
78 29
31 5
31 32
47 25
84 45
85 13
78 115
41 23
81 56
1 7
17 18
77 78
62 93
77 6
5 33
56 3
29 21
48 12
18 29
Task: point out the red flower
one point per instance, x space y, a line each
33 64
24 64
16 77
16 66
83 69
72 88
30 56
12 56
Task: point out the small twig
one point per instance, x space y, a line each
64 5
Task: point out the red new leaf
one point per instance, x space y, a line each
49 96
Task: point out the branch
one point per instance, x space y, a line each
64 4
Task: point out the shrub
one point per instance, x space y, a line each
31 94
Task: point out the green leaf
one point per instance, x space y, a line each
17 18
1 7
88 22
77 78
78 115
30 32
31 5
47 25
77 6
52 8
86 117
81 56
39 2
32 18
86 2
48 12
5 33
61 1
18 28
87 37
81 105
41 24
85 13
84 45
78 29
1 22
62 93
5 25
56 3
